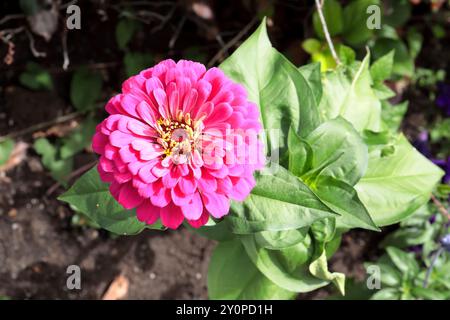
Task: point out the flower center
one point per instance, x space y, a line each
178 136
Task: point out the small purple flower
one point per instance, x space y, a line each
445 165
445 242
422 145
443 98
432 219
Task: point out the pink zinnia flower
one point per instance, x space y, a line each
180 142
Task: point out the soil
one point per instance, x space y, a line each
37 238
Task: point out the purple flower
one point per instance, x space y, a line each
422 145
443 98
445 242
445 165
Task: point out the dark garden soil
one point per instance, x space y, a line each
37 238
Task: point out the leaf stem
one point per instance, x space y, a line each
440 207
319 5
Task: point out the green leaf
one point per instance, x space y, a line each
393 115
381 69
279 201
346 54
79 139
338 152
405 262
276 240
403 62
85 89
232 275
30 7
125 30
283 95
136 62
59 168
311 45
91 196
350 95
36 78
389 274
6 148
397 12
428 294
355 30
332 12
218 231
311 73
386 294
300 154
415 41
397 184
288 267
343 199
319 268
407 237
339 160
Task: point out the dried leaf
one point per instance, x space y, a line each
118 289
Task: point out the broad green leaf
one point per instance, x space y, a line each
397 184
279 201
276 86
136 62
232 275
338 152
332 12
343 199
36 77
381 69
339 160
382 91
355 30
311 73
85 89
91 196
393 115
300 154
351 96
276 240
125 30
403 62
288 267
6 148
405 262
79 139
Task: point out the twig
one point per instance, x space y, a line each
440 207
41 126
166 19
319 6
232 42
72 175
34 51
177 32
66 61
11 17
